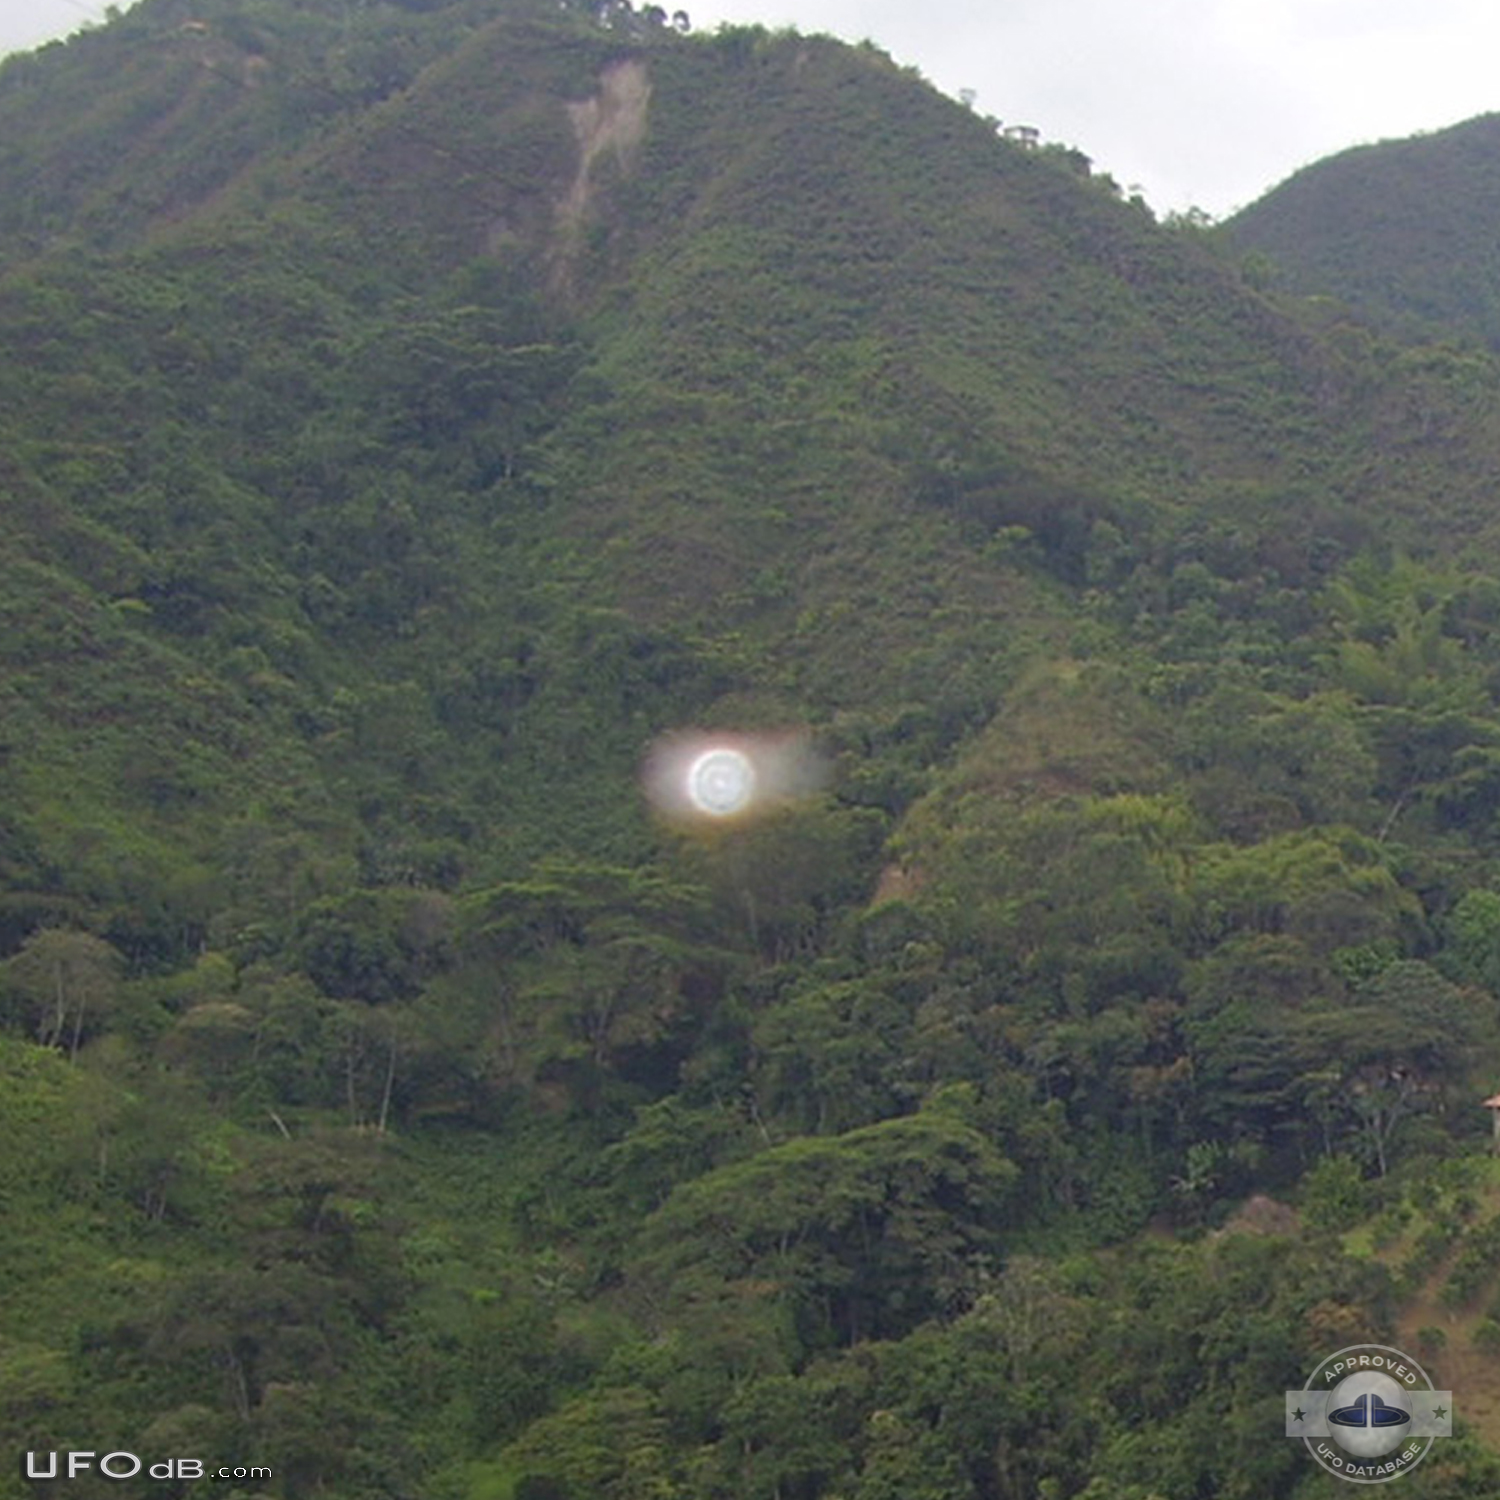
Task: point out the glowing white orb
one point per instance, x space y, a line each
721 782
723 777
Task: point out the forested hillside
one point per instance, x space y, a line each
1404 230
412 413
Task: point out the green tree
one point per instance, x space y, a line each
1407 1042
865 1233
69 981
1473 928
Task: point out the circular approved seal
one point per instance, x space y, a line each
1369 1413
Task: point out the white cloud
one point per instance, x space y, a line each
28 23
1206 102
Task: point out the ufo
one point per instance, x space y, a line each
720 782
1368 1411
706 778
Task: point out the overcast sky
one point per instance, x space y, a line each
1201 103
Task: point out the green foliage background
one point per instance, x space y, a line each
412 411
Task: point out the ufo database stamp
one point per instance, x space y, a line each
1369 1413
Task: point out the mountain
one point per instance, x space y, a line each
1403 230
415 414
402 365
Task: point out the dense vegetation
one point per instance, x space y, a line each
413 410
1403 230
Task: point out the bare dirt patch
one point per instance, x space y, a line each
1263 1215
613 122
896 883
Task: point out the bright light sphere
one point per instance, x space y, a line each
705 777
721 782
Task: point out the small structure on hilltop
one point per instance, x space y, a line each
1493 1105
1024 135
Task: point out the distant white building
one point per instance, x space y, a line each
1024 135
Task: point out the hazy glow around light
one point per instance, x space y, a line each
694 776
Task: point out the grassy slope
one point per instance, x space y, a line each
1460 1363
